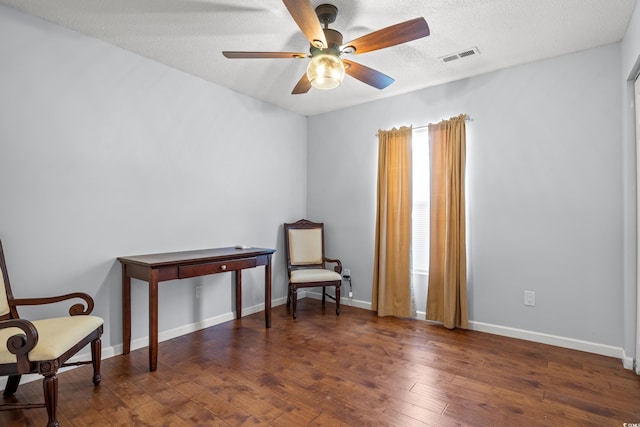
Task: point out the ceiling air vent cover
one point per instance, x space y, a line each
460 55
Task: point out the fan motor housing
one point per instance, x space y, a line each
334 40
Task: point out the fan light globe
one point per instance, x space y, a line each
325 71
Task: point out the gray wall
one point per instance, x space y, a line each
630 48
105 153
544 191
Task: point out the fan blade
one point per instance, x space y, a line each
303 86
390 36
305 16
249 55
367 75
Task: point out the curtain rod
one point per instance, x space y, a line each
466 119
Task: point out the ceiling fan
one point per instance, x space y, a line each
326 69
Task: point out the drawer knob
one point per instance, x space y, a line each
223 267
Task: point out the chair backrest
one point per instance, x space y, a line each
304 241
5 289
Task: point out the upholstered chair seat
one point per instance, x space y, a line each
55 337
313 275
44 346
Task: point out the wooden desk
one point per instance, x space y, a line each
156 268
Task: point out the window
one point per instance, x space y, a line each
421 207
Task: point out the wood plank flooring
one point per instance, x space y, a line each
350 370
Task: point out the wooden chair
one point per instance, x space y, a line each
44 346
304 241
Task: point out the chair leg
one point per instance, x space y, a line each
12 385
289 297
50 386
96 359
324 294
294 301
337 299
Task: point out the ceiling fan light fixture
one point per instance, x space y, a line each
325 71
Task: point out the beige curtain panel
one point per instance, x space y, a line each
447 293
391 294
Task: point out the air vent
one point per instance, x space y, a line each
460 55
467 53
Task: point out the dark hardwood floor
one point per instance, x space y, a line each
352 370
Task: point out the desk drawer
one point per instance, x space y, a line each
195 270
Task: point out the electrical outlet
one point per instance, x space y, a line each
346 272
350 294
530 298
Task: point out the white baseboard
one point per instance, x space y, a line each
558 341
108 352
574 344
193 327
571 343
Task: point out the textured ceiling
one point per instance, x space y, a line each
190 35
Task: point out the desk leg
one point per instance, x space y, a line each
267 293
126 311
238 294
153 321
